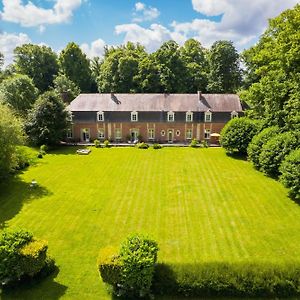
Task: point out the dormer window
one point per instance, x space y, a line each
234 114
207 116
189 116
171 116
100 116
134 116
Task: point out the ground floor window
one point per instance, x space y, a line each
150 134
189 134
118 134
69 133
207 133
101 133
177 132
162 133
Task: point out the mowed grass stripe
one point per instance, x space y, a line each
199 204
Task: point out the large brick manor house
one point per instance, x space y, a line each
151 117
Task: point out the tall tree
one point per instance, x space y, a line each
11 135
75 65
225 72
193 55
66 88
48 120
37 62
19 93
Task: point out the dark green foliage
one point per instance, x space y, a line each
256 279
106 144
44 148
138 255
97 143
225 73
74 64
255 147
19 93
290 173
37 62
20 255
157 146
194 143
23 158
130 272
237 134
275 150
66 88
48 121
142 145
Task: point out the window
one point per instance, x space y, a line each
134 116
171 116
69 133
207 116
100 116
234 114
118 134
177 132
189 116
150 134
189 134
101 133
162 133
207 133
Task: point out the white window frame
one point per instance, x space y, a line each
162 133
171 116
101 133
207 133
151 134
189 116
69 133
100 116
207 116
178 132
134 116
234 114
189 134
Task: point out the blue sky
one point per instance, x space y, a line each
95 23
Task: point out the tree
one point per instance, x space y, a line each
66 88
75 65
194 57
19 93
255 146
11 135
225 72
237 134
290 173
37 62
275 150
48 120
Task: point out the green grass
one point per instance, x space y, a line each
199 204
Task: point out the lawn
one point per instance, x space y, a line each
199 204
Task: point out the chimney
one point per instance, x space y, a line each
199 95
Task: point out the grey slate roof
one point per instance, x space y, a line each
156 102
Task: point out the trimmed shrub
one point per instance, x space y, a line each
255 147
97 143
109 265
44 148
23 158
40 155
237 134
274 151
20 255
138 255
204 144
106 144
142 145
194 143
157 146
290 174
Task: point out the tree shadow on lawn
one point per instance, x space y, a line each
39 288
14 193
237 156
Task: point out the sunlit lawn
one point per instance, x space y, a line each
199 204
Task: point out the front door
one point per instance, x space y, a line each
134 135
86 135
170 136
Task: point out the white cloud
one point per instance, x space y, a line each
95 49
30 15
142 13
8 42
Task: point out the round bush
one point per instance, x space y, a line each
255 147
237 134
274 151
290 170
